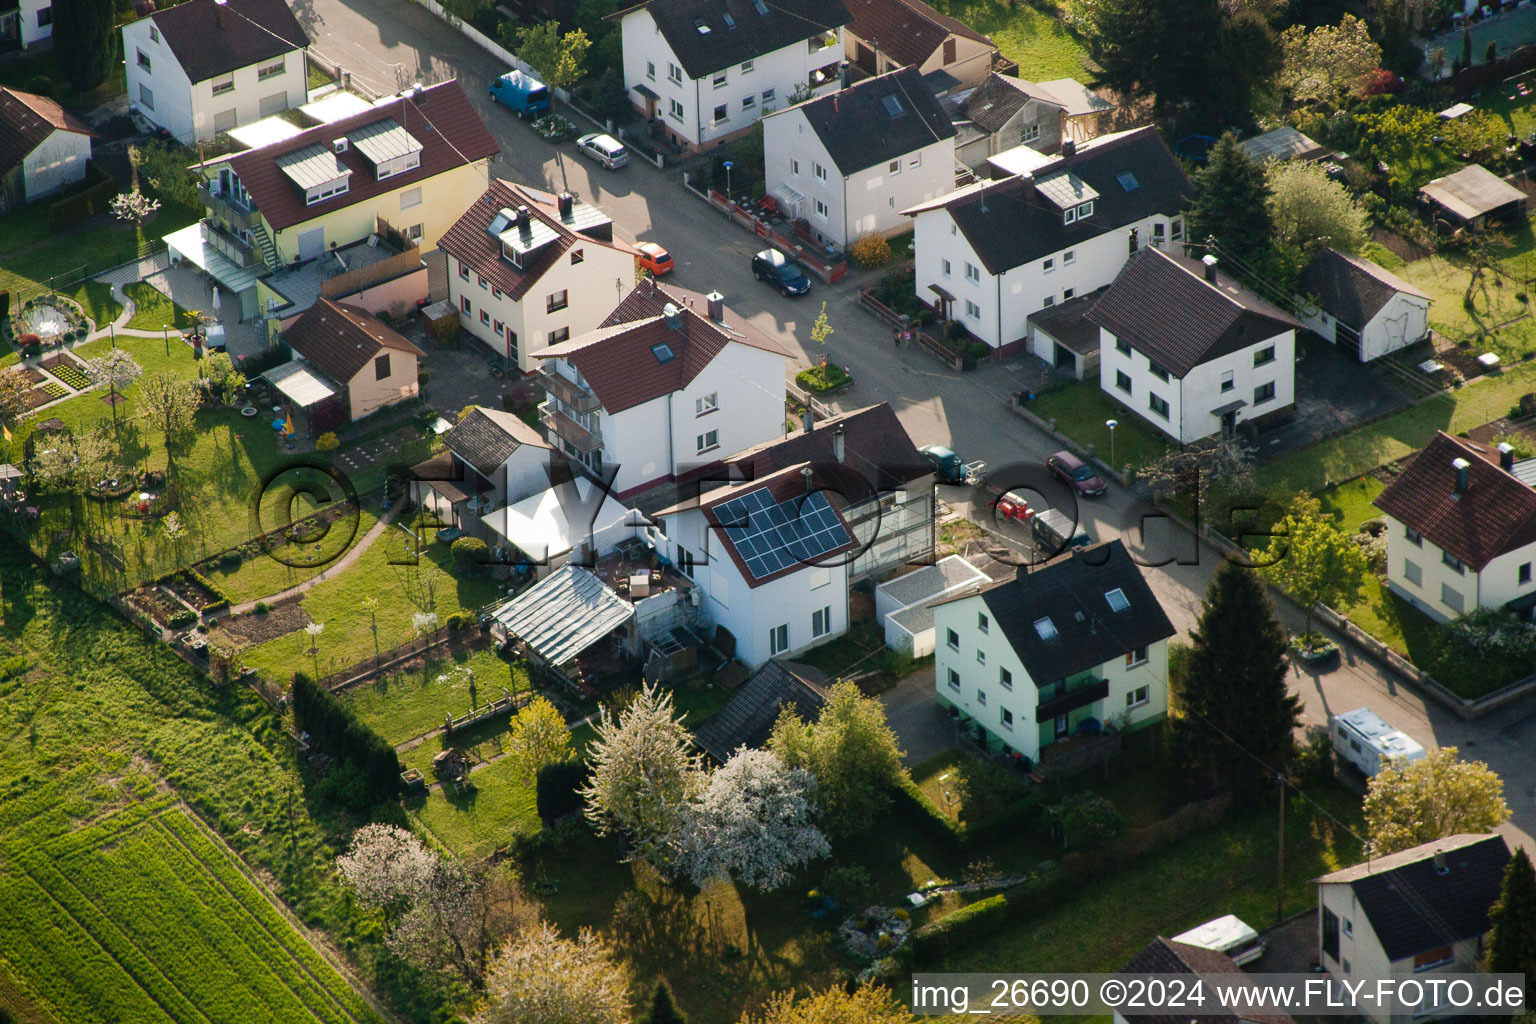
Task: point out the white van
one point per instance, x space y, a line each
1365 740
1227 935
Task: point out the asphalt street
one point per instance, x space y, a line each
390 44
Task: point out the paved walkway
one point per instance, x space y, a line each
335 568
920 724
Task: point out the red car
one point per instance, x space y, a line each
1077 474
1012 506
654 258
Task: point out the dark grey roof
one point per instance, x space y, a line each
1164 956
1351 289
1413 907
747 718
1008 224
1071 593
739 30
998 98
486 438
1068 323
1165 308
211 38
879 119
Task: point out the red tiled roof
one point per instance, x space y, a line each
26 120
341 339
907 31
650 298
784 485
441 119
619 362
1495 515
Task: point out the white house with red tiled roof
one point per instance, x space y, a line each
670 383
43 148
1461 529
528 269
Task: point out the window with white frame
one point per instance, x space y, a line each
1158 406
1137 697
1030 133
1123 381
746 67
1069 257
674 73
952 639
821 621
1067 293
144 63
154 34
224 85
1453 563
1005 679
722 113
1122 346
675 110
822 209
650 70
972 311
954 680
794 167
1135 656
767 96
981 656
463 272
894 167
485 318
944 267
915 160
1413 536
708 441
1227 383
464 304
1264 355
778 639
1049 300
981 697
1048 264
1005 719
272 70
706 403
748 102
719 79
819 171
1264 393
982 623
972 272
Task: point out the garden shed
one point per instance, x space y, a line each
562 616
1474 195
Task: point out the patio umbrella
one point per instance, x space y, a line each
216 290
279 424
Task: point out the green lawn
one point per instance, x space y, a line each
1081 412
1350 504
154 310
1042 45
1495 319
23 227
402 705
96 302
474 824
85 252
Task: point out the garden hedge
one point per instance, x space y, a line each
1020 816
333 728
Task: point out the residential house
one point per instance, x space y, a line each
850 163
889 34
1071 648
205 66
403 166
1473 196
575 521
25 23
1461 529
1191 352
1365 310
770 559
492 459
706 70
1167 958
43 148
747 719
1004 112
668 384
361 363
990 254
527 270
1420 912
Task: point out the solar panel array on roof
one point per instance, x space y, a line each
775 535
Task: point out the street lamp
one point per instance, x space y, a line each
728 165
1111 424
165 329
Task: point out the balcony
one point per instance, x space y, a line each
233 248
826 78
1087 693
227 208
567 390
568 430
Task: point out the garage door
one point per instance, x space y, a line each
224 120
312 244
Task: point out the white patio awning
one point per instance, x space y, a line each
302 383
190 245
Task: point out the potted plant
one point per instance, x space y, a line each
1313 647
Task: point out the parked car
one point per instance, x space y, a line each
947 466
605 149
654 258
522 94
780 271
1012 506
1057 532
1077 474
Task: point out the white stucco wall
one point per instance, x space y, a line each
32 13
58 162
169 90
1496 585
1403 321
780 71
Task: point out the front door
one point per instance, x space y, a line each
1061 726
312 243
1228 424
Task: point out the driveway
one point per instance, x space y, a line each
1333 395
923 729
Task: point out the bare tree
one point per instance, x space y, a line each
1185 475
171 402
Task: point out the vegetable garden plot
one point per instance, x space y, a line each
141 917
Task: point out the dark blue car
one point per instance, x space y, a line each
780 271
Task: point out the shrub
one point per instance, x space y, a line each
871 250
13 666
821 379
327 442
260 608
29 340
849 886
556 789
1522 445
460 621
182 619
230 560
1085 821
1526 406
469 553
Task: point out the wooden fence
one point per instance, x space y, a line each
915 335
356 280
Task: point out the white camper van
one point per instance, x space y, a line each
1366 741
1227 935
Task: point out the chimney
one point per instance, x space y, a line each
1440 868
1068 147
716 307
523 217
1506 456
1210 267
1461 466
674 316
808 420
565 201
1026 187
843 74
805 474
219 14
839 448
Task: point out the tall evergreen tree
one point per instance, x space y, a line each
663 1009
1237 717
82 41
1232 203
1512 942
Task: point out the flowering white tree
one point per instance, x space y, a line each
754 820
386 866
117 370
134 206
643 773
541 978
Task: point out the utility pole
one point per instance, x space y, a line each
1280 855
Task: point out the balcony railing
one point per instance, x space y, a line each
235 249
1092 690
227 208
568 391
567 429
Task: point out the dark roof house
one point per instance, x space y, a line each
341 339
487 438
214 37
1429 896
26 121
1164 956
877 120
1351 289
1181 313
1076 613
747 718
992 103
710 35
906 31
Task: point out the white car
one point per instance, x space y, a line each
605 149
